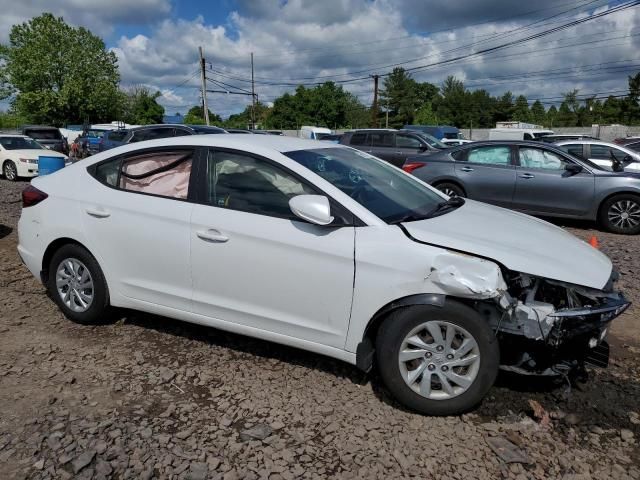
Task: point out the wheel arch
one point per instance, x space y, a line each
454 181
50 251
604 199
366 348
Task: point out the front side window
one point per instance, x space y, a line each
604 152
541 159
240 182
163 173
407 141
382 189
490 155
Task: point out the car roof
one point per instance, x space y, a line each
40 127
584 141
13 135
259 144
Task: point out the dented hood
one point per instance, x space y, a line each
519 242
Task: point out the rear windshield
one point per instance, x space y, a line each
44 134
19 143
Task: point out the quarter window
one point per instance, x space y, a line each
490 155
541 159
241 182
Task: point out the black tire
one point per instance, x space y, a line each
98 309
451 189
401 322
10 171
611 211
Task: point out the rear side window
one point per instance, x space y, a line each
573 149
490 155
152 134
382 139
163 173
358 139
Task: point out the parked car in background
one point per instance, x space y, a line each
557 137
603 153
263 236
48 137
313 132
391 145
238 130
535 178
154 132
111 139
440 132
90 140
329 137
19 156
518 133
630 142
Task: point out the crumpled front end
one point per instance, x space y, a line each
549 327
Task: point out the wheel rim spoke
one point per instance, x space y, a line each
74 285
413 354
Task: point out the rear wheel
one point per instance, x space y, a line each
77 285
621 214
450 189
10 171
437 360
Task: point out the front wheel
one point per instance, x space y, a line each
450 189
77 285
437 360
10 171
621 214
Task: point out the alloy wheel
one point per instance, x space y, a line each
74 285
624 214
439 360
450 192
10 171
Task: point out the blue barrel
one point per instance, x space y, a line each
47 165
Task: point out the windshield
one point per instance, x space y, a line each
433 141
20 143
378 186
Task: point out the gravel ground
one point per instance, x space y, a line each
149 397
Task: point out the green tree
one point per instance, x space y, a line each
400 95
425 115
60 73
195 116
521 111
504 108
452 107
538 115
141 106
243 119
552 116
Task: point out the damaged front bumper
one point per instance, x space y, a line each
547 326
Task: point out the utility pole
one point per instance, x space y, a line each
387 122
203 78
253 98
374 109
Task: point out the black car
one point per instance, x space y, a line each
154 132
394 146
48 137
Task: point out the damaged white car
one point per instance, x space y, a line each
326 249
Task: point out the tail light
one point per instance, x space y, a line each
411 166
32 196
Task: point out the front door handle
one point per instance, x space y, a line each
98 213
467 169
212 235
527 175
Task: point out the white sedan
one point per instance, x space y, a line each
324 248
19 156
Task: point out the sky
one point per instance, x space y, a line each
310 41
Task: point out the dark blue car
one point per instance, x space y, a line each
111 139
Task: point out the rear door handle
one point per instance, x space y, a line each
98 213
467 169
212 235
527 175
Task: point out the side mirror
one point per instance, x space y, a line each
573 168
423 148
312 208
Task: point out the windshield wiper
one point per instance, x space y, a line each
440 208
